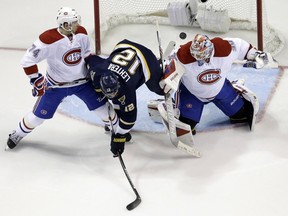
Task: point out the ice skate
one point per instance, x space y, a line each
13 140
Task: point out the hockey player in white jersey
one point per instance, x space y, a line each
64 48
207 63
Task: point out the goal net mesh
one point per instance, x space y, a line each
243 15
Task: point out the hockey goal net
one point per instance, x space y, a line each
244 15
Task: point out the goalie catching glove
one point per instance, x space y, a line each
259 59
38 84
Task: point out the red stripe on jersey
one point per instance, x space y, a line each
222 47
50 36
184 54
81 30
31 70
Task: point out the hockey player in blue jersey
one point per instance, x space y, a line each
129 66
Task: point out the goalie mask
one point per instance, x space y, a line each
109 84
69 16
201 48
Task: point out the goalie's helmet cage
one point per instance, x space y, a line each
67 15
109 84
201 47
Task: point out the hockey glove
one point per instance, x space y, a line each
262 60
164 83
171 77
117 143
38 84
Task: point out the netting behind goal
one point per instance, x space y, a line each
243 15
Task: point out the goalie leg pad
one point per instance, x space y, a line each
189 122
183 131
251 103
252 107
247 94
154 113
240 116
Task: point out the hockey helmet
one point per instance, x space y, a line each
67 15
201 47
109 84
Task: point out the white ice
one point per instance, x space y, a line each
65 167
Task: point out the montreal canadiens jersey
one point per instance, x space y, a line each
205 81
64 56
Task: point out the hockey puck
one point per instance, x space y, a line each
182 35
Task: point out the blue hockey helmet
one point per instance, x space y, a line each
109 84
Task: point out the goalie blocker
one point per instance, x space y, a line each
171 77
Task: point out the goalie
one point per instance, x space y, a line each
207 63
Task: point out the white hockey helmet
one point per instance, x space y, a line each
67 15
201 47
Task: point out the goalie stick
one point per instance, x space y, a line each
138 200
169 105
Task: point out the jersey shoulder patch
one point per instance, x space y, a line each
184 54
222 47
50 36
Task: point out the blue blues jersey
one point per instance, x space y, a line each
134 65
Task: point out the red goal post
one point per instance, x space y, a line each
244 14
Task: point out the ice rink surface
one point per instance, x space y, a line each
65 167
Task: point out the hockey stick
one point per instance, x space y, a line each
170 110
138 200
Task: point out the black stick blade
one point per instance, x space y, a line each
134 204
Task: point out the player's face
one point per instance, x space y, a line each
111 95
74 26
71 27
